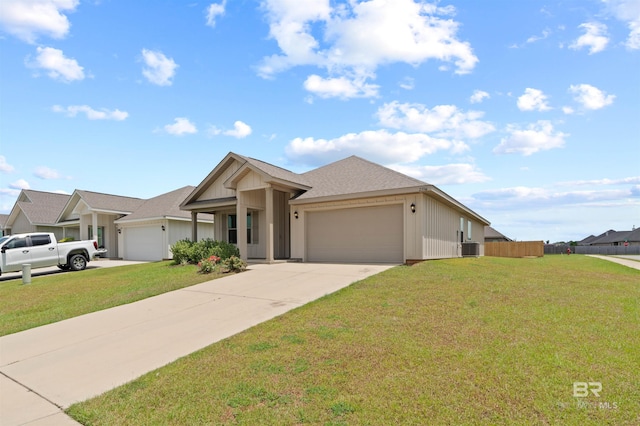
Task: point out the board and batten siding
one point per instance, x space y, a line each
441 237
217 189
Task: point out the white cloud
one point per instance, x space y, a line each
407 83
4 166
20 184
58 66
628 11
26 19
159 69
533 100
213 11
478 96
354 38
340 87
449 174
379 146
595 38
181 126
539 136
522 197
240 130
590 97
441 120
92 114
545 33
568 110
606 181
46 173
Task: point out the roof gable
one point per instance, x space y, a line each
39 207
164 206
100 203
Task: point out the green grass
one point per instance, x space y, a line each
460 341
57 297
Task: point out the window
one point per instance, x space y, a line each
40 240
468 230
100 238
232 228
17 243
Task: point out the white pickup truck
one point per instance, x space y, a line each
41 249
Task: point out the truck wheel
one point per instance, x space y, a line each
77 262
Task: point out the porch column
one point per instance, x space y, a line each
94 226
194 226
241 224
269 220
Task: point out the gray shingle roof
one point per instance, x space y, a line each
491 233
43 208
108 202
165 205
354 175
276 172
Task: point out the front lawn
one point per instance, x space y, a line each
460 341
57 297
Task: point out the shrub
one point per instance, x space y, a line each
186 251
207 266
181 250
66 240
234 264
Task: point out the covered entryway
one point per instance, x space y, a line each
143 243
364 234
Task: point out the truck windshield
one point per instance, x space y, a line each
3 239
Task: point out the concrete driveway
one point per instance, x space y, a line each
46 369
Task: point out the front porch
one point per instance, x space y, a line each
264 236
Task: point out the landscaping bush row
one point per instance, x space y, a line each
210 255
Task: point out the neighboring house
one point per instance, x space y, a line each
158 223
3 221
493 236
352 210
91 216
36 211
617 238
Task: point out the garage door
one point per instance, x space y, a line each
143 243
365 234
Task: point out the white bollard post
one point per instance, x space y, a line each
26 273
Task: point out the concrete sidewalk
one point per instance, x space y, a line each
46 369
630 261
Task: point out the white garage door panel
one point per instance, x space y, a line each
365 234
143 243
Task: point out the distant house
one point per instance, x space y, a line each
35 211
129 228
91 215
493 236
352 210
3 221
158 223
617 238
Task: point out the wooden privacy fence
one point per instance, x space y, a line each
514 249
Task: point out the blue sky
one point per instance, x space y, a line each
526 111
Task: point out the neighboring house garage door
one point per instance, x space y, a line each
365 234
143 243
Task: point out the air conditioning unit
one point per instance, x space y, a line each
471 249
